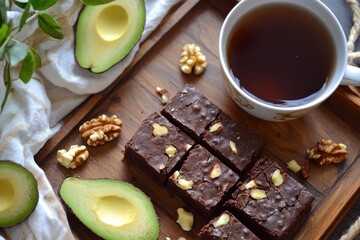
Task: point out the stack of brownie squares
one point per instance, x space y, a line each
216 165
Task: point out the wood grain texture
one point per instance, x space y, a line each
169 22
134 98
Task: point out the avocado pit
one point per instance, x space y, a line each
115 211
112 23
7 194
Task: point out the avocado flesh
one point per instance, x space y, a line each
111 209
106 33
18 193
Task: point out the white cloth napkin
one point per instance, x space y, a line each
34 111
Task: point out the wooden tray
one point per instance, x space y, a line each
132 98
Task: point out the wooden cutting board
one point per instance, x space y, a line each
132 98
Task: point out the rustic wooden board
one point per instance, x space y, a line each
132 98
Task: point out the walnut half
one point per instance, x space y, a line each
192 59
100 130
73 158
326 152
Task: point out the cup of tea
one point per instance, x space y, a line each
282 58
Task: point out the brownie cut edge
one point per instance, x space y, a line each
158 146
226 227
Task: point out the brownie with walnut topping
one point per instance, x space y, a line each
281 207
191 111
203 181
226 227
158 146
236 145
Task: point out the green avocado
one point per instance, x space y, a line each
111 209
106 33
18 193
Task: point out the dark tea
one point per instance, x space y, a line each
281 54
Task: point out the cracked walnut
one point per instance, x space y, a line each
326 152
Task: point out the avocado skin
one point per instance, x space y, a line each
94 234
36 194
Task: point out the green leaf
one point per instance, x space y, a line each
42 4
28 67
5 31
95 2
49 25
37 57
7 79
24 16
21 3
3 8
17 53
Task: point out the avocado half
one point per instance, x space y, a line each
18 193
111 209
106 33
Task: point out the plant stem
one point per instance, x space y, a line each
29 19
8 85
6 42
10 37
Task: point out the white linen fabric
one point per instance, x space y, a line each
34 111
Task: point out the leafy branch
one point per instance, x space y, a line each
16 53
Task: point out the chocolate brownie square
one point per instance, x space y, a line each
236 145
203 181
226 227
191 111
158 146
270 201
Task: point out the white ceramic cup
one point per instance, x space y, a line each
344 74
